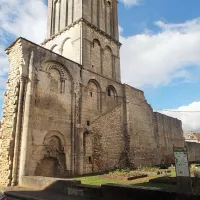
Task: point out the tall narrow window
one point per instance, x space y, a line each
108 17
96 56
57 16
109 92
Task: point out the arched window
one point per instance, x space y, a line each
55 49
94 97
67 49
56 16
96 56
108 62
111 92
55 81
108 17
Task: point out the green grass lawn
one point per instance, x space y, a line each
100 179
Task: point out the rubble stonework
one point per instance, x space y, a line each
10 114
66 111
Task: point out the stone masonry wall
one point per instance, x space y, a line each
152 135
168 133
9 114
140 128
67 43
193 151
109 54
52 110
104 142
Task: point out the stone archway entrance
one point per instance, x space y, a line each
54 162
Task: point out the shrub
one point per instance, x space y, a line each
196 173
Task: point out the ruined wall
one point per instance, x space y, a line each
193 151
168 133
140 128
57 101
52 110
152 135
52 123
10 109
104 141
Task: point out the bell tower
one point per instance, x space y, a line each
62 13
86 31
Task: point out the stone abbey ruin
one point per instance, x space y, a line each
66 111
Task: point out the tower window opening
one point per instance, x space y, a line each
88 123
81 73
109 92
91 94
90 159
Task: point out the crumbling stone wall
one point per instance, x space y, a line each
105 141
152 135
168 133
193 151
140 128
10 109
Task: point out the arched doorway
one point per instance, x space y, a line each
54 162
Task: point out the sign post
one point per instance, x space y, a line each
182 169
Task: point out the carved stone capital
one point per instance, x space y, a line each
23 78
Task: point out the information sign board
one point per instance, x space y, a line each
181 162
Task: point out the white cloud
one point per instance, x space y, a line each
24 18
189 119
130 2
158 58
20 18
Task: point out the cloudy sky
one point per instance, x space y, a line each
160 52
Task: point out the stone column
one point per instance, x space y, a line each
101 56
27 120
50 18
115 21
80 131
73 99
18 131
63 14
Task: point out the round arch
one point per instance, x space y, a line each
108 47
62 69
95 94
111 91
51 134
96 41
96 83
55 48
67 49
62 45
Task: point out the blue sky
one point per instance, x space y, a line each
141 18
160 51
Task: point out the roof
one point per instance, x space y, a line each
197 135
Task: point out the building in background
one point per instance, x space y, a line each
192 137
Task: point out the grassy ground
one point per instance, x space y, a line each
100 179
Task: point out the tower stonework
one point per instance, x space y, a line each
66 111
87 33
